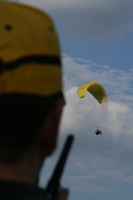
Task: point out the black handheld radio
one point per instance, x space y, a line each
54 183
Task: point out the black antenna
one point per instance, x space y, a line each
53 184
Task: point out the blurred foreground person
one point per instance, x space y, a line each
31 99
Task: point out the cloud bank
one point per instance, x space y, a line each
97 164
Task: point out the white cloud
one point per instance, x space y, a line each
117 83
106 152
96 162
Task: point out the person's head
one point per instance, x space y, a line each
31 97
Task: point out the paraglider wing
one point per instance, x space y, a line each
96 90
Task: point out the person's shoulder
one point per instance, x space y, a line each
21 191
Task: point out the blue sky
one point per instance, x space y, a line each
96 38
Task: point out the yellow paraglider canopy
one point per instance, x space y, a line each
97 91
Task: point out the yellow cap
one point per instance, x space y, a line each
30 60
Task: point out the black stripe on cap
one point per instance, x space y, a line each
50 60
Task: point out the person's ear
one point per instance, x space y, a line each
48 140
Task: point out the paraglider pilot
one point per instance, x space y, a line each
98 132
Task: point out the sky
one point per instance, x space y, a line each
96 39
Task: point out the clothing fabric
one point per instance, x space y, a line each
10 190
